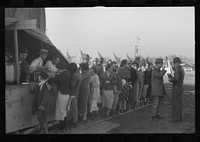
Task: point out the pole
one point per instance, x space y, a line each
16 56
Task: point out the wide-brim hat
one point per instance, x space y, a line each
44 51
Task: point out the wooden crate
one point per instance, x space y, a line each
19 102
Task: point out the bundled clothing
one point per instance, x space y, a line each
94 92
108 88
133 79
124 73
74 91
84 92
44 101
117 91
145 84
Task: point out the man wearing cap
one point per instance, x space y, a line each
157 88
24 66
177 90
38 64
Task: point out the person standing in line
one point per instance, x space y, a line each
45 97
63 81
84 91
157 88
132 81
100 71
74 91
94 92
123 96
117 90
108 80
149 96
177 90
145 84
141 83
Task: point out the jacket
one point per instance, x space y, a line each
112 77
157 82
45 96
177 81
75 84
63 81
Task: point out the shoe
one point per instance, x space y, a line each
159 117
154 118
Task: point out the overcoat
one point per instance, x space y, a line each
157 82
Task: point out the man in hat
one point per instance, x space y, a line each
157 88
38 63
24 66
177 90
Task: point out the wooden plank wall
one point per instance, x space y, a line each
19 102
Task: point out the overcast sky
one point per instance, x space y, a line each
162 31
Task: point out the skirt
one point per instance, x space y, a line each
108 98
61 106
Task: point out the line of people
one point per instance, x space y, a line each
80 92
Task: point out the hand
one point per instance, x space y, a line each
108 81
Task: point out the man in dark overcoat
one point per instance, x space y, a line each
157 88
177 90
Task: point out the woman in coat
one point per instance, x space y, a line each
94 92
63 83
84 91
108 80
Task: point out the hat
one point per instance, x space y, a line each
44 51
159 60
176 60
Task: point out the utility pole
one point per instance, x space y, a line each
136 47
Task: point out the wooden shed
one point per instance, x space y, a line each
24 33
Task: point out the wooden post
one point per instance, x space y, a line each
16 56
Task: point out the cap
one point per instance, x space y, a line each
176 60
43 51
159 60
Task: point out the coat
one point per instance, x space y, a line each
75 84
45 97
112 77
84 92
63 81
177 81
157 82
124 73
